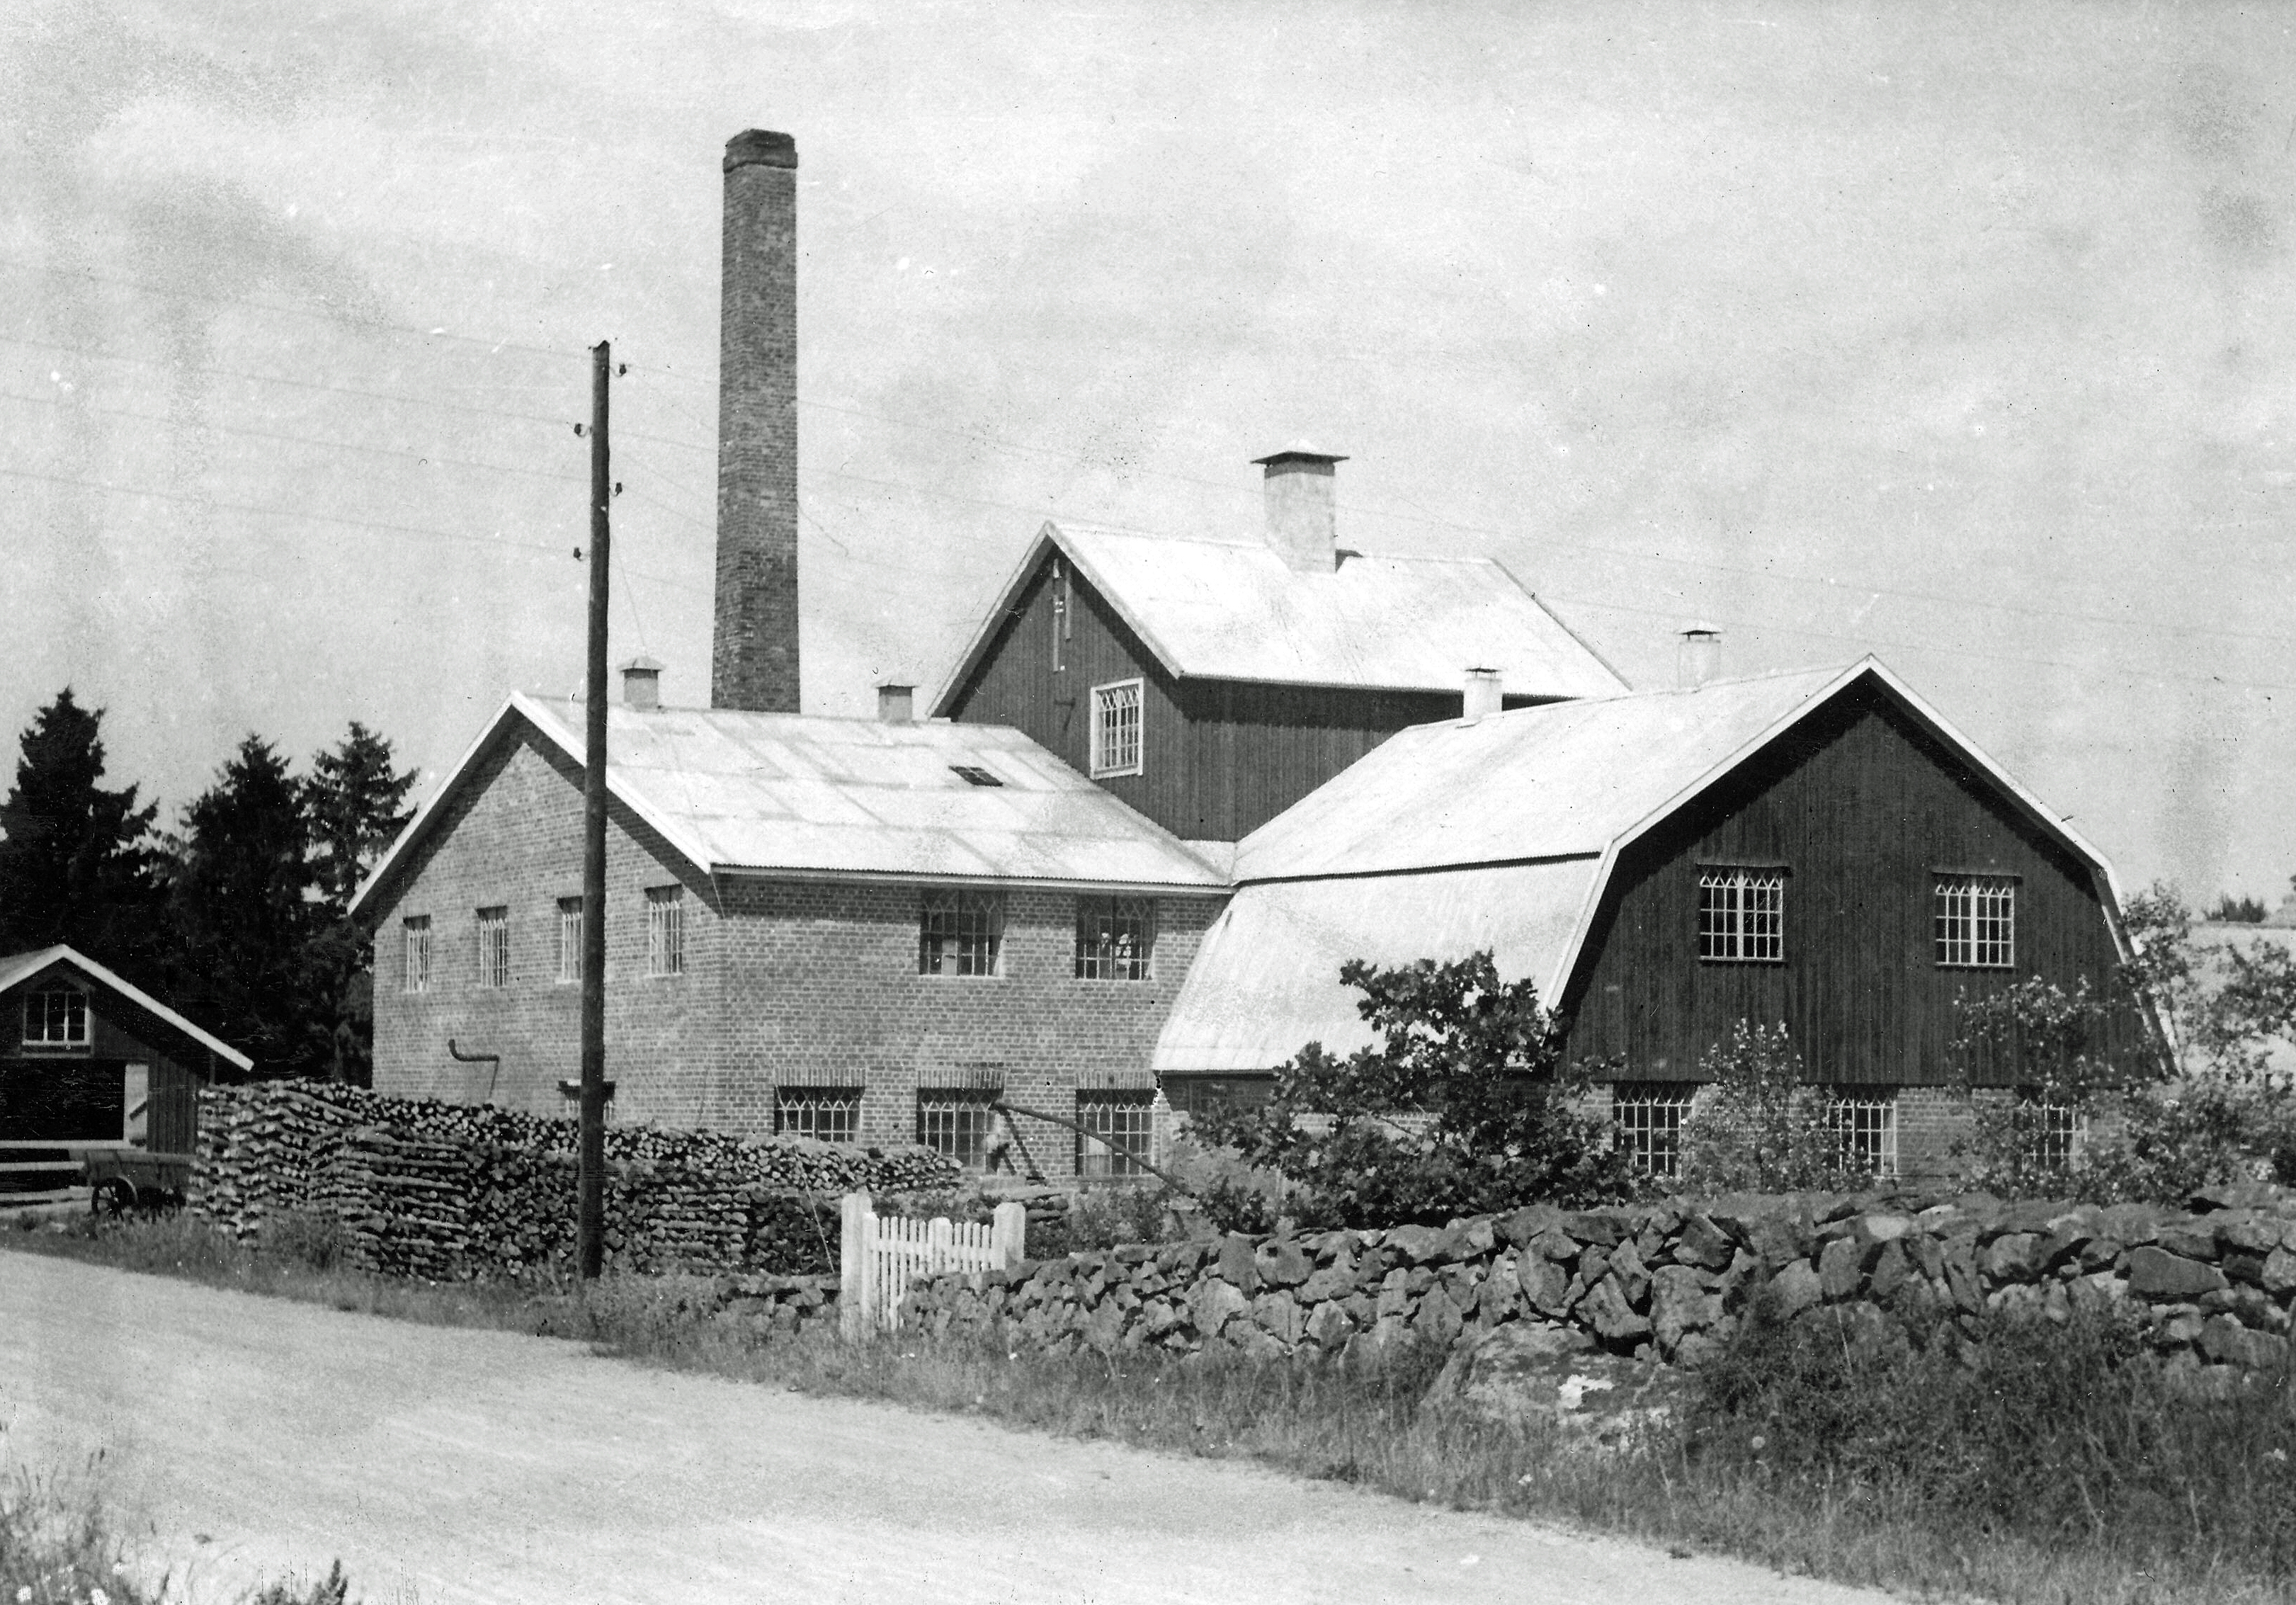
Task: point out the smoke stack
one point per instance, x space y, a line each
642 683
1699 658
896 705
1483 696
753 653
1302 526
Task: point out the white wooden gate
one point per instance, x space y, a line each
878 1255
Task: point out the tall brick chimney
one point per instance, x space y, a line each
753 651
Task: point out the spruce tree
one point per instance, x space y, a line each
354 801
76 865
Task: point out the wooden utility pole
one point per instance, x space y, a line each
590 1207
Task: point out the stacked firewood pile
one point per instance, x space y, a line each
443 1191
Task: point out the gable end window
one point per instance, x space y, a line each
665 930
416 977
1116 729
1976 921
56 1017
960 933
569 939
1742 916
1114 938
494 947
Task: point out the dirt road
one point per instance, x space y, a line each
484 1466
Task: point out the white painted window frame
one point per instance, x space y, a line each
665 931
1105 700
78 1024
415 973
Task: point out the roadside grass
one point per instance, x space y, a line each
2064 1466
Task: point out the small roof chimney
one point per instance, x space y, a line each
642 683
1699 658
896 705
1302 526
1483 696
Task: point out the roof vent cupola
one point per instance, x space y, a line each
1303 524
642 683
1699 658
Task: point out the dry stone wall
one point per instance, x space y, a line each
1668 1281
445 1192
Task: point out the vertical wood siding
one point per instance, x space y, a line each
1863 807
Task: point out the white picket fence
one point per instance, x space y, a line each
878 1255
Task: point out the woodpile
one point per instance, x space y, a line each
447 1190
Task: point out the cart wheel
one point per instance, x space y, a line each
112 1198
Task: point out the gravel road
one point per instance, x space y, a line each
484 1466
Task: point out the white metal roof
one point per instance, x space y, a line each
1265 982
1232 610
18 967
735 791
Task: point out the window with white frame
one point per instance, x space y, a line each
824 1114
665 930
1116 728
960 933
55 1017
494 947
415 976
2055 1132
1976 921
1113 939
569 939
955 1121
1115 1135
1647 1120
1866 1128
1741 915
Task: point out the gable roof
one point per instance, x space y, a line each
734 791
17 969
1232 610
1375 859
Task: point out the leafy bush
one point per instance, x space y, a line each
1465 1108
1758 1127
1102 1217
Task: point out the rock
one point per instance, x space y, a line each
1328 1325
2225 1341
2238 1195
1526 1224
1929 1253
1546 1285
1780 1239
1419 1244
1634 1280
1796 1288
1330 1281
2278 1274
1679 1306
1283 1263
1543 1377
1213 1304
1238 1263
2246 1231
1278 1315
1437 1321
1607 1310
2187 1239
2011 1257
1603 1227
1703 1243
1103 1328
1474 1236
1875 1229
1837 1273
2131 1223
1892 1270
2157 1274
1394 1293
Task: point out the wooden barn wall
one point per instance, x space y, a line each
1256 749
1863 806
81 1095
1016 684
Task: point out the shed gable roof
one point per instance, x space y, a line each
1232 610
18 969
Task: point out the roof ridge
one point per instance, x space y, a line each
1250 544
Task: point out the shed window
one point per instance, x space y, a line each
1742 916
1977 921
824 1114
494 947
56 1017
569 939
961 933
1114 937
1867 1130
416 976
1116 1134
955 1122
665 930
1646 1119
1116 729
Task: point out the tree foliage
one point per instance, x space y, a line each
1760 1127
1466 1106
76 865
355 807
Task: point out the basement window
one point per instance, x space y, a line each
1868 1130
494 947
415 977
1116 729
824 1114
1976 921
665 930
960 933
1114 937
1646 1123
1117 1129
2054 1133
56 1017
974 775
1742 916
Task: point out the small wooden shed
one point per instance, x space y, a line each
88 1058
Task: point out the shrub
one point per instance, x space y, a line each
310 1238
1758 1127
1102 1217
1466 1108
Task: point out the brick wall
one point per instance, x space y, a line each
794 982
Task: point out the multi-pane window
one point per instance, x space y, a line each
1116 1133
960 933
824 1114
55 1019
1741 915
955 1122
416 975
2057 1131
1868 1130
665 930
494 947
1116 728
569 939
1977 920
1647 1118
1114 936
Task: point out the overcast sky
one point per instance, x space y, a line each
1961 334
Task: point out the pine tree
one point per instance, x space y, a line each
76 865
354 803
